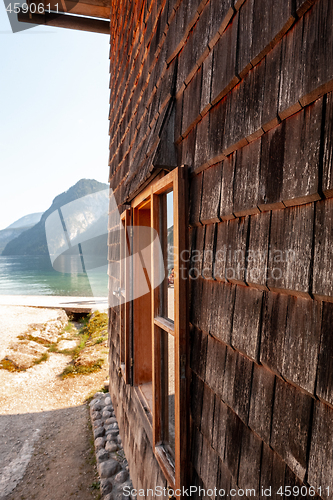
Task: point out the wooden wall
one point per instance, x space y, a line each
247 88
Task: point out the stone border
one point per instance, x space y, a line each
112 465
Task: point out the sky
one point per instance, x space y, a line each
54 104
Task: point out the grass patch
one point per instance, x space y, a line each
6 364
44 357
95 485
72 370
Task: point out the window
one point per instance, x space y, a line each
154 338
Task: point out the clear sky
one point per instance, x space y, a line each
54 103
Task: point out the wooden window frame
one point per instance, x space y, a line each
176 181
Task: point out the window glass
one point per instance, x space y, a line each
168 391
168 253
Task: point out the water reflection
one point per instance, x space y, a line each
34 275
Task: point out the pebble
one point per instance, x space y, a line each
99 443
106 486
121 477
102 455
99 432
97 423
111 464
111 446
108 468
110 421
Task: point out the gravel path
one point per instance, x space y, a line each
46 447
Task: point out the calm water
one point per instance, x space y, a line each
26 275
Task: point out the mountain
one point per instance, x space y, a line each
33 241
14 230
26 222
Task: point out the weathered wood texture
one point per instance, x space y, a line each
241 92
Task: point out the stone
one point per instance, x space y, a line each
112 432
95 415
110 421
106 414
105 486
97 423
108 468
121 477
97 406
99 443
109 408
111 446
108 497
99 432
67 345
102 455
107 401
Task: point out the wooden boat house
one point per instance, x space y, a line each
221 140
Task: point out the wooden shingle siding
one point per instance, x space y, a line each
241 92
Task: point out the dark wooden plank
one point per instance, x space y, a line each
250 459
269 26
245 38
220 427
302 156
290 426
272 83
211 194
207 415
291 72
237 383
208 257
206 311
261 402
216 131
317 50
195 199
230 257
271 168
223 296
271 474
227 201
224 62
198 341
324 386
327 186
246 183
188 149
224 480
216 352
320 459
291 243
323 254
274 317
202 144
257 251
191 107
196 391
246 324
206 88
209 465
301 345
234 434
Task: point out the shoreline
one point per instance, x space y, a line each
71 304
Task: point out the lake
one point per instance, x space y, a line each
34 275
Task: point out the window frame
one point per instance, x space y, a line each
176 181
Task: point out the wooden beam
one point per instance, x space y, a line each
90 9
66 21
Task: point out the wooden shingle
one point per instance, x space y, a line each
246 324
261 402
290 426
